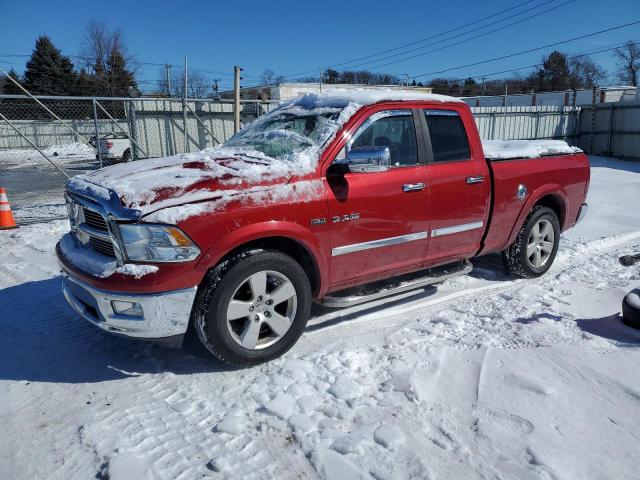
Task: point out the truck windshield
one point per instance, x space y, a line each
288 131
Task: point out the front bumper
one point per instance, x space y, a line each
162 316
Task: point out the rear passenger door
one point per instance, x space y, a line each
460 187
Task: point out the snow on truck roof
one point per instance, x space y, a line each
338 98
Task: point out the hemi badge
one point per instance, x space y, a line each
318 221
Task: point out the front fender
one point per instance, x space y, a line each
534 197
262 230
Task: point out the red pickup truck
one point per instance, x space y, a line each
327 192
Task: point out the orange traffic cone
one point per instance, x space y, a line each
6 215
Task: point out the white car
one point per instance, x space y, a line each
114 148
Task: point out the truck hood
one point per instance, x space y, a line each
154 184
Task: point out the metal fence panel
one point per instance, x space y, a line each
526 122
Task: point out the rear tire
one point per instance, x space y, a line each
126 155
253 307
535 248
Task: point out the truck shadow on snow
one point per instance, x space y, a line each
43 340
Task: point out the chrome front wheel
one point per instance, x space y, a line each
253 307
261 309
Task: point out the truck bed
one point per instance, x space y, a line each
566 175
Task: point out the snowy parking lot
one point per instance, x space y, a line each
485 376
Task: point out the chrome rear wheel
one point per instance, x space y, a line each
541 242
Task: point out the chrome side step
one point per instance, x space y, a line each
358 295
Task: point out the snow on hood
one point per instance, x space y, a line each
154 184
505 149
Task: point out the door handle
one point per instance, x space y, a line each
472 180
412 187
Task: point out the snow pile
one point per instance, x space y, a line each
507 149
94 263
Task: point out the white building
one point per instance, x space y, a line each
284 91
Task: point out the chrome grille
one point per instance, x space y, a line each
90 228
95 220
102 246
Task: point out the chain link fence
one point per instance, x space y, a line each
43 141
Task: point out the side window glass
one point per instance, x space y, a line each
393 129
448 137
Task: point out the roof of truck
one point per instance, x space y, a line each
360 96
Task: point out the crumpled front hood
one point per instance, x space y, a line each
150 185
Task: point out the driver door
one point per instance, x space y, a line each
379 220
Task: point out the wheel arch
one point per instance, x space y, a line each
551 196
302 246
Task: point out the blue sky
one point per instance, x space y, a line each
296 36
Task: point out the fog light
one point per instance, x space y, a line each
131 309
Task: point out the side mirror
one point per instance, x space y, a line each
368 159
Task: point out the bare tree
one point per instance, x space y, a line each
585 73
199 85
106 56
269 77
628 63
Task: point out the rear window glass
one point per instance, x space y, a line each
448 137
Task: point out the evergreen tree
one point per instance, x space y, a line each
119 78
8 86
554 74
49 72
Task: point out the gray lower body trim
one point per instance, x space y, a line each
383 242
439 232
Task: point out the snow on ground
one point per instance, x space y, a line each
61 155
483 377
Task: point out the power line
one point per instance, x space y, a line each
593 52
515 54
400 47
483 34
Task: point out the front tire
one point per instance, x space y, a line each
253 307
535 248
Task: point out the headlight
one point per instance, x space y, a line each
157 243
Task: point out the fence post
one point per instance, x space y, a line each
593 121
95 123
493 125
575 119
236 99
184 106
536 133
504 117
133 131
610 136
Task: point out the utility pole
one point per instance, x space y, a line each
236 98
320 79
184 104
167 73
504 116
